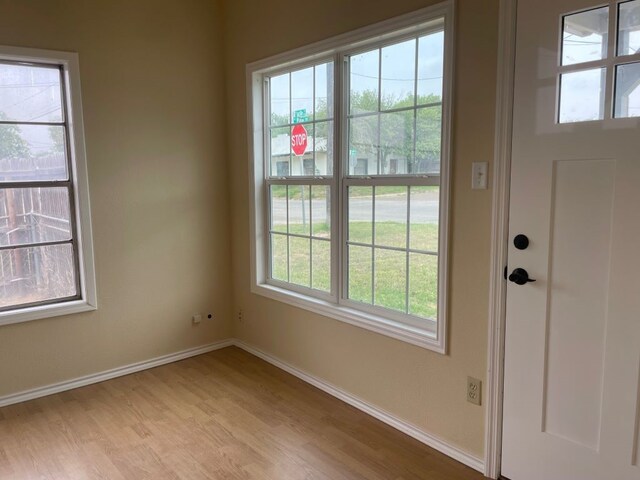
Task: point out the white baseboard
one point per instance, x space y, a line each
386 417
109 374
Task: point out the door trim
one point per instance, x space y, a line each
500 236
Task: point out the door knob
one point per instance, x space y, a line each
520 277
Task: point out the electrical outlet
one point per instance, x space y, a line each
240 315
474 390
197 318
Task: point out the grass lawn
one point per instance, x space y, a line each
389 281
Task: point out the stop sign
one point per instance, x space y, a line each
299 139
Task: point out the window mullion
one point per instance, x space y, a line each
340 205
373 245
36 244
609 72
400 180
299 181
36 184
288 239
406 284
311 216
414 152
315 125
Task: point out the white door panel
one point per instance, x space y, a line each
572 353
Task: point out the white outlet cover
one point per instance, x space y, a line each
197 318
479 171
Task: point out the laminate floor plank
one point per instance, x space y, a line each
222 415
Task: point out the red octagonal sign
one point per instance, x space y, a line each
299 140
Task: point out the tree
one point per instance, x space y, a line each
56 134
395 137
12 145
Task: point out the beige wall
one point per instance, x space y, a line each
153 108
415 384
153 91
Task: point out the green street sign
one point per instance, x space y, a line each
300 116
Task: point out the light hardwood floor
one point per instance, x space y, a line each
223 415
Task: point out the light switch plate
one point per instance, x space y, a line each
479 175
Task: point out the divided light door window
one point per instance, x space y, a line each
600 63
353 158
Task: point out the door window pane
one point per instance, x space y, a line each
582 96
627 101
629 28
584 36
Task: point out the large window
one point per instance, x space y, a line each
350 160
43 267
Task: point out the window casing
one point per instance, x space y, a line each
46 259
370 182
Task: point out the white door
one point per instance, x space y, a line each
572 358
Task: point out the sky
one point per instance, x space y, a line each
398 75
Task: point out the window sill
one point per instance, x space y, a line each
425 338
45 311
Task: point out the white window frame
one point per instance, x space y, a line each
87 298
432 334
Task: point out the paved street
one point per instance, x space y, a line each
424 209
